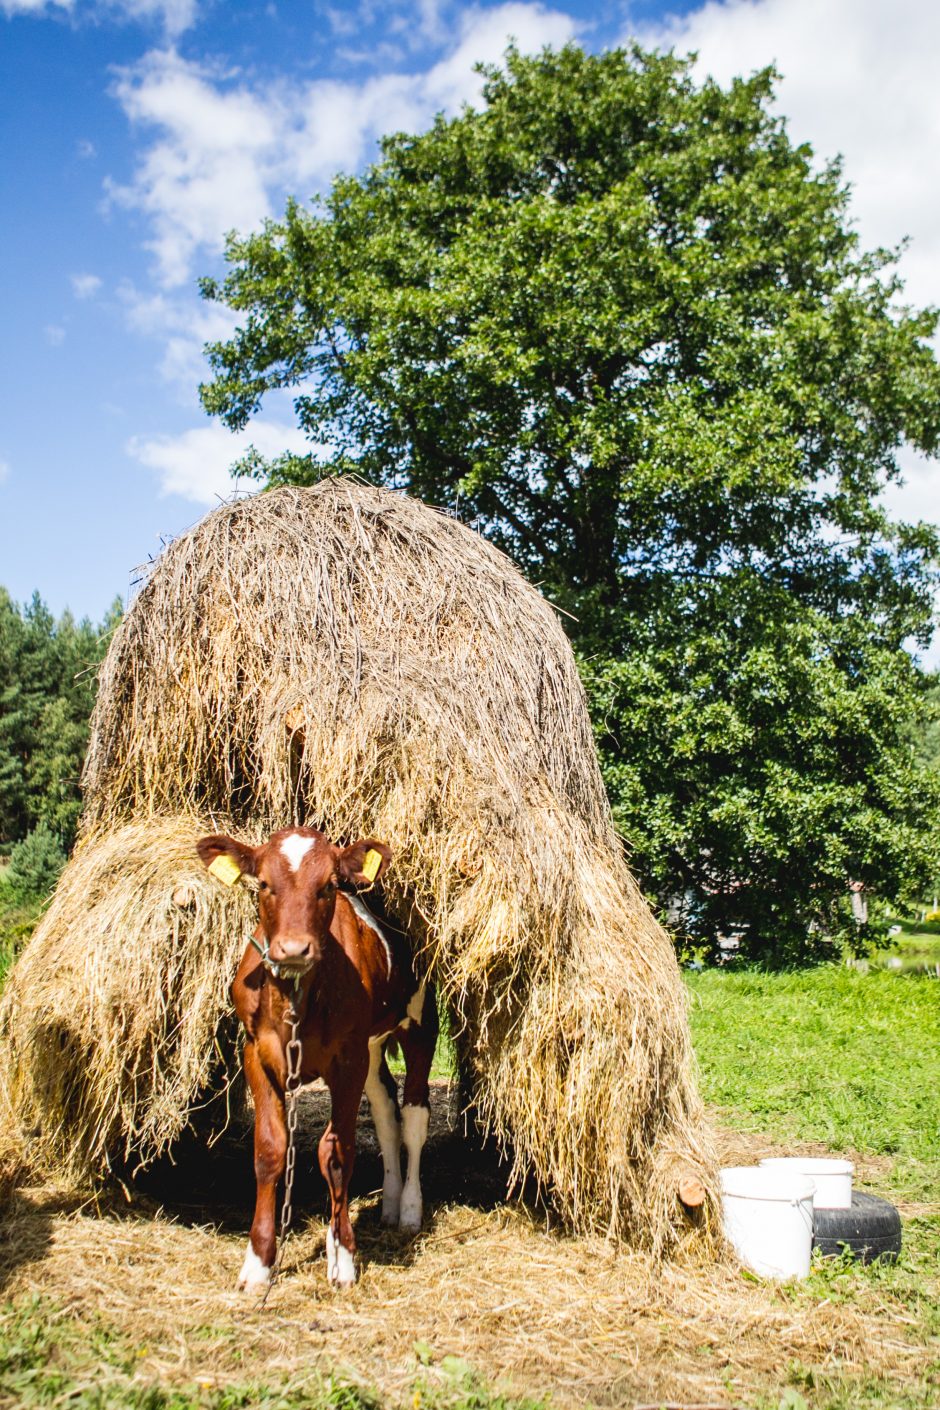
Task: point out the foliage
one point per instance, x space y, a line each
623 324
760 761
18 920
47 689
35 865
925 736
31 874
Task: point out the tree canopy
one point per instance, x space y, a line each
48 679
622 323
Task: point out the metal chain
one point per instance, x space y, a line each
293 1054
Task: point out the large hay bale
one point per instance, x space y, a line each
347 657
114 1021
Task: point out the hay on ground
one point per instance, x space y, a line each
574 1319
348 658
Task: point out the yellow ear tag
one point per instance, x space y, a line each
371 864
225 868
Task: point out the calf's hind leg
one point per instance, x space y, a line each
382 1091
418 1042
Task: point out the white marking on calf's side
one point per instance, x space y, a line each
254 1275
340 1264
295 848
367 918
415 1121
415 1008
388 1133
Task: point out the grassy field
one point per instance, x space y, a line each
822 1059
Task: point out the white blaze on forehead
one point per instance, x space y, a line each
295 848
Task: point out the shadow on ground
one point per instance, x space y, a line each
216 1183
26 1231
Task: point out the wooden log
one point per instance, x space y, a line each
691 1191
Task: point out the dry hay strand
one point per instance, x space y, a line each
579 1318
347 657
114 1020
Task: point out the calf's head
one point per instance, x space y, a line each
298 872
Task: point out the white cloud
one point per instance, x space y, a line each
484 35
919 496
225 154
174 15
207 172
4 470
85 286
196 463
85 149
183 324
34 7
55 334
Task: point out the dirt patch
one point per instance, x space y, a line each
530 1308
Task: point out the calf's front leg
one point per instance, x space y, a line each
270 1157
337 1153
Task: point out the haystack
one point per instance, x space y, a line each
348 658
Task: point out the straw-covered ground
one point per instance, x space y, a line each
133 1305
348 657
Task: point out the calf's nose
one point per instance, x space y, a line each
291 947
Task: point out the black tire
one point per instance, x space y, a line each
871 1229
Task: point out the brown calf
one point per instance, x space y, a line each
355 988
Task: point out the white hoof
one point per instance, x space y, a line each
412 1212
391 1208
255 1276
340 1264
415 1121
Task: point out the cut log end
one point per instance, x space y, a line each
691 1191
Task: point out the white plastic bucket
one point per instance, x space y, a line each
768 1218
832 1178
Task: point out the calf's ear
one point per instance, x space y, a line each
226 858
364 862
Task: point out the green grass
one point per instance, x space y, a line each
828 1054
851 1060
47 1359
824 1055
18 920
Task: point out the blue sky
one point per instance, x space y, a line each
136 132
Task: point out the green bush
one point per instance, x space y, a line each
35 866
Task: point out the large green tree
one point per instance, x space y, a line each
622 323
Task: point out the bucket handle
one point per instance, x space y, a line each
798 1204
